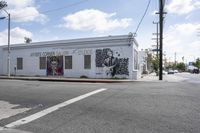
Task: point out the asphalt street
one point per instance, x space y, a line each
136 107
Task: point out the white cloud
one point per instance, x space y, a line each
45 31
17 36
27 14
19 3
94 20
182 38
181 7
25 11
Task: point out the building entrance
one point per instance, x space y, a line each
55 66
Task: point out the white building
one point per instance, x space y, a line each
143 62
100 57
191 67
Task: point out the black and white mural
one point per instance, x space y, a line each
112 62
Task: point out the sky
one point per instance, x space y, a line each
45 20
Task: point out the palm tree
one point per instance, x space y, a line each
27 40
3 4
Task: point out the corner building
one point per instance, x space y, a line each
98 57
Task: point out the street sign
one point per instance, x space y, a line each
190 63
155 49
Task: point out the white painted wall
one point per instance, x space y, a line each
1 61
135 72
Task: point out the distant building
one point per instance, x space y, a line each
143 62
99 57
191 67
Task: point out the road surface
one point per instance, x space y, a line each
191 78
137 107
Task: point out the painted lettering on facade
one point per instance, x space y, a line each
60 53
45 54
82 51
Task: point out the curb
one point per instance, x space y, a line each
67 80
13 131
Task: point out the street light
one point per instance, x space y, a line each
8 57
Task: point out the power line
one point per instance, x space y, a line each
138 26
57 9
165 13
61 8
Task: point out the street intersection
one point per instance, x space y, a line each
169 106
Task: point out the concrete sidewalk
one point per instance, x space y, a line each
166 78
146 78
64 79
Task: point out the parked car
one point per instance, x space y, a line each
164 72
171 72
196 71
175 71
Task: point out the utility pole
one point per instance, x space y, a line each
161 12
8 44
157 41
3 4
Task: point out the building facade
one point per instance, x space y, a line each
100 57
143 62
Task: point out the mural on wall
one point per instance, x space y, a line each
112 65
123 66
55 65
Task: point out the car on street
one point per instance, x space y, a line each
171 72
164 72
195 71
175 71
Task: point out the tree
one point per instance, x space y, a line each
3 4
152 63
181 66
149 61
197 63
27 40
155 63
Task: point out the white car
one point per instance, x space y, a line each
164 72
171 72
175 71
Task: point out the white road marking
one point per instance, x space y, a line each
49 110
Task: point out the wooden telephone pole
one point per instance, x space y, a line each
161 12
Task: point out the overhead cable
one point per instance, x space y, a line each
56 9
138 26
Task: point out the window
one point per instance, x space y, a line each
43 62
19 63
87 61
68 62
